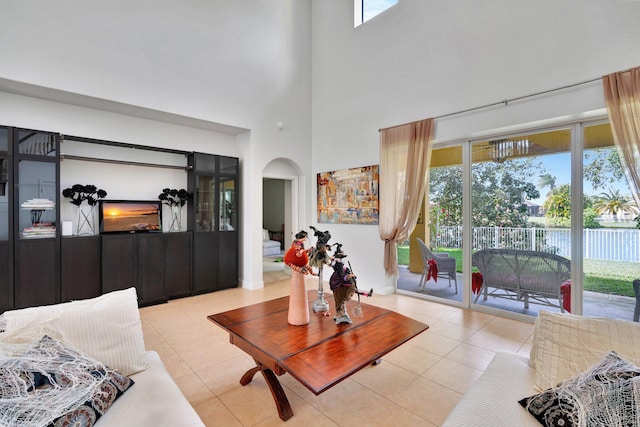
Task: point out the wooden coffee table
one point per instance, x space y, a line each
319 354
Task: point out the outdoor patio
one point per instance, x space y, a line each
595 304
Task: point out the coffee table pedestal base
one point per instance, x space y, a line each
282 403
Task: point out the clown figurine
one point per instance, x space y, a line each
297 259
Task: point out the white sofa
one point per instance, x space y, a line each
105 330
155 400
269 247
563 350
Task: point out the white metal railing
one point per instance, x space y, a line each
604 244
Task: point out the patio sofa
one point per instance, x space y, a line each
568 349
103 338
522 275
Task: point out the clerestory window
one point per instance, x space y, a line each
363 10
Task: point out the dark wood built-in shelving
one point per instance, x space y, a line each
37 270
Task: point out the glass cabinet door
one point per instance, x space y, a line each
205 203
6 252
37 143
4 140
4 199
4 184
228 211
37 183
37 199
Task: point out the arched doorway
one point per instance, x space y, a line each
279 214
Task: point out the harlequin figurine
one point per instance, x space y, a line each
342 283
297 259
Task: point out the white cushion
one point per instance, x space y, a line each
565 344
154 400
493 399
106 328
265 235
271 244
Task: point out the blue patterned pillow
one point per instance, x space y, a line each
57 386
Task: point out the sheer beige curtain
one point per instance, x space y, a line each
405 154
622 95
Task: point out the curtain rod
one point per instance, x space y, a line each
505 101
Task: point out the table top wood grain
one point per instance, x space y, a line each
319 354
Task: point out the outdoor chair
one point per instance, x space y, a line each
446 265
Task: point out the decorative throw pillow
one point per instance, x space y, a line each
107 328
265 235
51 384
603 395
566 344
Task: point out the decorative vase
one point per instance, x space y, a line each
86 220
176 218
298 301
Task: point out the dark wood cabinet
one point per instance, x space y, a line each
227 260
213 217
118 262
204 267
80 268
134 260
36 243
39 267
36 274
178 264
149 268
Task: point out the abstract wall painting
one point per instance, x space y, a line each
348 196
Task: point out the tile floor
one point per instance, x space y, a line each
416 385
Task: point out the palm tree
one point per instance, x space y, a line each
615 204
547 180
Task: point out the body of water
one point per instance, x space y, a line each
603 244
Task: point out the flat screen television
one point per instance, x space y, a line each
130 216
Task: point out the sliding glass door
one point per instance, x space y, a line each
515 183
552 225
435 270
611 240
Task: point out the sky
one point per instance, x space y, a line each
371 8
559 165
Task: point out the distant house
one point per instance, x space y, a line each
533 209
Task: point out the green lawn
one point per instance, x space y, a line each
607 277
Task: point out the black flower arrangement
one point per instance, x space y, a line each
173 197
79 193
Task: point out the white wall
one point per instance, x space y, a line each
218 60
93 70
251 65
424 58
273 204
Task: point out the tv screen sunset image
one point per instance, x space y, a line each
130 217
